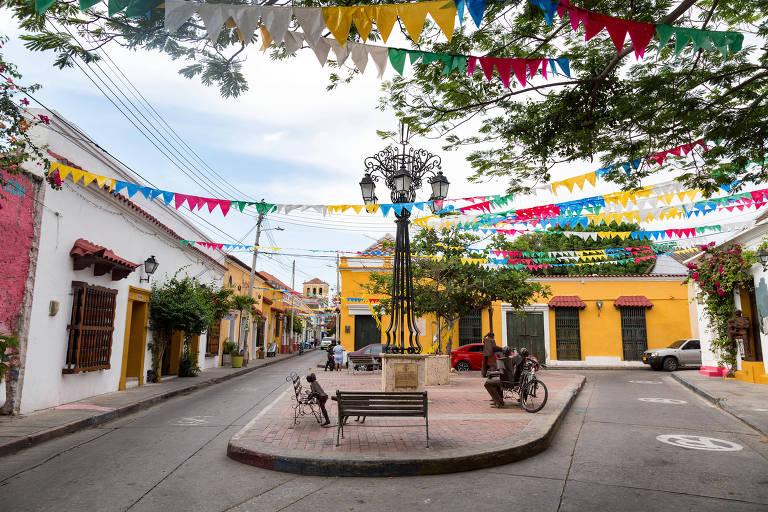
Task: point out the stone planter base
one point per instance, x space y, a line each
403 372
438 370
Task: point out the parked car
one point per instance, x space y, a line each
374 349
685 352
326 342
470 357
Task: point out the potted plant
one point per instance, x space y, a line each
237 358
259 352
227 348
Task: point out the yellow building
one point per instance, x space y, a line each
234 326
601 320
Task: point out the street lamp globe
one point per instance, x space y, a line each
368 187
439 186
402 181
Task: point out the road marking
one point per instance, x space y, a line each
699 443
663 400
761 410
190 420
645 382
259 416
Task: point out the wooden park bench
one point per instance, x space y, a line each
363 363
303 405
378 403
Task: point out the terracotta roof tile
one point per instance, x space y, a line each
379 247
567 301
632 301
104 261
315 281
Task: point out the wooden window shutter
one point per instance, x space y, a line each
89 345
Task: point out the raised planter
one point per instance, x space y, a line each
237 361
226 359
438 370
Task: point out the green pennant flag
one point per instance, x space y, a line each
397 59
87 4
140 7
665 33
700 40
263 208
42 5
115 6
415 55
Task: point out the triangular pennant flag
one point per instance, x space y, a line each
88 177
413 17
476 10
397 59
617 29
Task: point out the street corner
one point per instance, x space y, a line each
465 431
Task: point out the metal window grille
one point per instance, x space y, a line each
633 333
212 340
90 330
470 328
567 334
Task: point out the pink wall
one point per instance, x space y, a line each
16 235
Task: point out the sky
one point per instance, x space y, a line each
287 140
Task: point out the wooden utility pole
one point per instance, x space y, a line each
338 306
293 300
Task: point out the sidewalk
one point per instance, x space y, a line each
748 402
19 432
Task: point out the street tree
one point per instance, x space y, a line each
449 287
612 107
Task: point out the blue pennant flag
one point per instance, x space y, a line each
167 197
385 209
476 9
145 191
565 65
548 7
132 188
120 185
154 193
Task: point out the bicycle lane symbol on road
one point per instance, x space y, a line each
699 443
663 401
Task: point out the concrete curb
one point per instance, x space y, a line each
721 403
527 445
105 417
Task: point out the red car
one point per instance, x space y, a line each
470 357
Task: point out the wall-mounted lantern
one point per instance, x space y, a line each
150 265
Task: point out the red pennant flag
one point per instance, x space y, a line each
210 202
641 34
617 29
487 64
178 200
659 157
471 63
224 205
504 67
676 151
685 148
533 66
594 23
518 66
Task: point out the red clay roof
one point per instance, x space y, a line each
632 301
379 247
104 261
315 280
270 277
136 207
567 301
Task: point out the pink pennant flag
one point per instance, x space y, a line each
690 231
178 200
685 148
659 157
617 28
471 63
224 205
676 151
533 66
192 202
641 34
729 208
219 246
756 195
210 202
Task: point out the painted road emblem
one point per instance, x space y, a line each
663 400
191 420
699 443
645 382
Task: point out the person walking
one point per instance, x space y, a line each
338 356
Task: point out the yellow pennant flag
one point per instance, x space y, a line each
371 208
357 207
385 16
64 170
88 177
266 37
101 181
76 175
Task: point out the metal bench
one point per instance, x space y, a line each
303 405
363 363
272 349
378 403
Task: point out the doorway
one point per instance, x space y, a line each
634 338
135 339
567 334
526 329
366 331
749 309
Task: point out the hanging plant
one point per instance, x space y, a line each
718 274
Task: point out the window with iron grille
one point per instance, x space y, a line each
633 333
567 334
212 341
89 346
470 328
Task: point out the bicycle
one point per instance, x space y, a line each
531 392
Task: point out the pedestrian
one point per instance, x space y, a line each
338 356
316 391
329 361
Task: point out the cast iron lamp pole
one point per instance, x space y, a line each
402 170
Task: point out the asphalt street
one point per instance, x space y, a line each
633 440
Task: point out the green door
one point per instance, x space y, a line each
366 331
527 330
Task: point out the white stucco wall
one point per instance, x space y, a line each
97 216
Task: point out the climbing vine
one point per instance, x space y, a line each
718 274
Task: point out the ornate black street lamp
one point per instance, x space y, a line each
402 169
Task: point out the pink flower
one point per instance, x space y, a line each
44 119
717 284
695 275
24 101
720 292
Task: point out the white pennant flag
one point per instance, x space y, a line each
213 19
311 22
246 18
359 55
177 12
277 20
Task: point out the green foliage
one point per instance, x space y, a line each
16 147
7 341
298 325
229 347
178 305
719 273
553 240
449 288
188 366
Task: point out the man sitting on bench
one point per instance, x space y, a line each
507 369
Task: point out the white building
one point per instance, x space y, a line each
753 302
73 268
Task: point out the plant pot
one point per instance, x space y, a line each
237 361
259 354
226 359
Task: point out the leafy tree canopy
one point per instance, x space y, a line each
612 106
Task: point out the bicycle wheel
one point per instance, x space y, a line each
534 396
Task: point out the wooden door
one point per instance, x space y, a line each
633 333
366 331
526 329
